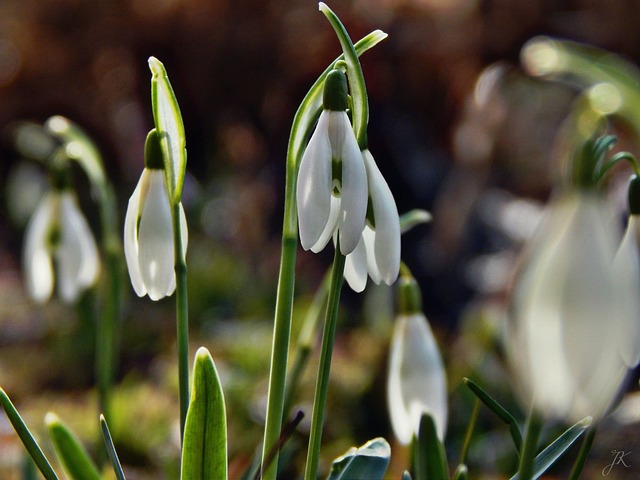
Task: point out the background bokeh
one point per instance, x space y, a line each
456 127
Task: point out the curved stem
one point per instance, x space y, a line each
529 447
182 316
585 448
324 369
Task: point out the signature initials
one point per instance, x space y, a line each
618 459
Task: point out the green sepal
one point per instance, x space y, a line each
369 462
430 456
153 156
557 448
499 410
72 455
111 449
204 451
633 195
409 299
334 95
170 127
32 447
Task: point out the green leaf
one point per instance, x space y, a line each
204 451
499 410
25 435
413 218
369 462
406 475
431 458
355 76
168 120
555 450
72 455
111 449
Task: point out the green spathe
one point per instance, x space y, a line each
204 454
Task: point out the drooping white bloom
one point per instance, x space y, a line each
416 382
59 238
378 251
148 237
332 186
569 312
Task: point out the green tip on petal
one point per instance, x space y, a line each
153 157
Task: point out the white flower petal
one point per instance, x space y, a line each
355 267
416 381
627 264
76 256
37 261
314 186
564 310
155 239
369 238
354 190
386 248
331 226
131 220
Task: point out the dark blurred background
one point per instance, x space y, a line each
456 127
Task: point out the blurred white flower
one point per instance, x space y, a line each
332 181
59 234
570 310
416 383
148 237
378 251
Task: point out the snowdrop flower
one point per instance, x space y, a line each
569 313
332 182
378 251
148 231
416 383
59 238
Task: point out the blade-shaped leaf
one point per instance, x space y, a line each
431 458
204 451
72 455
499 410
168 120
111 449
369 462
555 450
461 473
25 435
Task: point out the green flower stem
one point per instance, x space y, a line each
324 369
182 316
306 340
585 448
303 124
469 434
80 148
279 354
529 447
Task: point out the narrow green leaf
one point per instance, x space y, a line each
72 455
413 218
204 451
168 121
111 449
461 473
369 462
355 76
431 458
27 439
499 410
555 450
